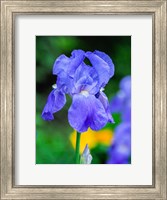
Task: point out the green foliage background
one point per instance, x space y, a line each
52 138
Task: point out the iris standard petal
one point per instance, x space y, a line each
86 111
55 102
83 84
107 59
61 64
85 70
101 67
104 100
68 65
85 79
65 83
76 59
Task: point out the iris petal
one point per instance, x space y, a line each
104 100
55 102
86 111
78 112
68 65
85 78
101 67
107 59
97 114
76 59
65 83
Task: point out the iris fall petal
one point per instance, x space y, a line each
55 102
85 112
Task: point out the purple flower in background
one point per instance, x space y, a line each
120 149
121 103
85 84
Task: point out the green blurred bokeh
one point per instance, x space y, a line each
52 138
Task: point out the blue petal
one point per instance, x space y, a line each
125 85
97 115
118 102
55 102
123 134
126 115
76 59
107 59
122 101
68 65
77 113
85 78
85 70
120 150
101 67
61 64
65 83
85 112
104 100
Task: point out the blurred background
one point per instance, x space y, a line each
55 140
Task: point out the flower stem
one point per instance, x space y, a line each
77 148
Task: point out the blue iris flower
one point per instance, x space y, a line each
85 84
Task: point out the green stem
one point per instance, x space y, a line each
77 148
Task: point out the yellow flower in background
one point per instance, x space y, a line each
92 138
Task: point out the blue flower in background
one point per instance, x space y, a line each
121 103
120 149
85 84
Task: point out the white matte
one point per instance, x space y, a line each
137 173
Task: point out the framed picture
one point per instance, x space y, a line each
83 100
83 83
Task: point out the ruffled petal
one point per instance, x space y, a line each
85 112
76 59
108 60
102 68
85 78
104 100
55 102
85 70
61 64
68 65
65 83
